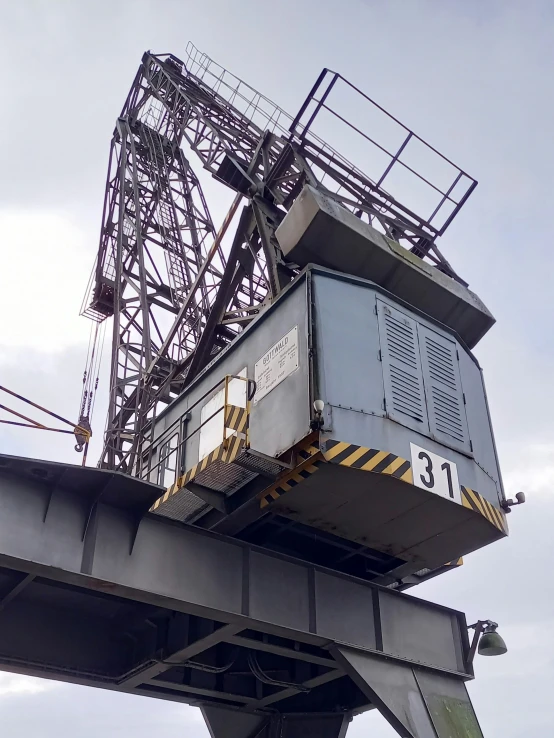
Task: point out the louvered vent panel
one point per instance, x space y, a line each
402 370
447 417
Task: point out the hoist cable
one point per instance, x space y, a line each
84 391
92 369
96 372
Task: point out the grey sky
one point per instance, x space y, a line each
473 78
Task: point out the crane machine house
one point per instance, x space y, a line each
348 423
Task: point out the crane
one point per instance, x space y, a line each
176 294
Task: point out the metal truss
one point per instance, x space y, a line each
176 298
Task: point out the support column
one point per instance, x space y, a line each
228 723
417 702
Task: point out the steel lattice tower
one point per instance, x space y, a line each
176 298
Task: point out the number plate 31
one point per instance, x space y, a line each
435 474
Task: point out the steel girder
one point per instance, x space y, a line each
96 591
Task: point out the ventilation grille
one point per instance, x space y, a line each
443 386
406 397
404 367
401 340
441 364
421 373
448 416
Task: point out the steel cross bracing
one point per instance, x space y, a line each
175 297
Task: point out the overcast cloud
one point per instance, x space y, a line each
475 79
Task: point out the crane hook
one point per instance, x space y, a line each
80 437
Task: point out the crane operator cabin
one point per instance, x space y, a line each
400 459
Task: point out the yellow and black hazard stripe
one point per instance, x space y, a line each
226 452
373 460
474 501
236 418
456 562
307 451
368 459
310 458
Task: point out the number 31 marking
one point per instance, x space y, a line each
435 474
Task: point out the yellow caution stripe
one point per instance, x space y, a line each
236 418
474 501
310 459
373 460
456 562
226 452
368 459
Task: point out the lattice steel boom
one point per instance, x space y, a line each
176 298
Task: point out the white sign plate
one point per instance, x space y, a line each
435 474
276 365
212 421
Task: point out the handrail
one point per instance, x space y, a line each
250 392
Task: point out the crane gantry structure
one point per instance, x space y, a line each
301 427
177 295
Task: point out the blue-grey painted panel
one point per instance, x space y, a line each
479 422
279 592
38 527
350 378
282 417
347 345
353 382
386 435
430 638
355 623
163 561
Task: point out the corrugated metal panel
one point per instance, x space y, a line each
443 387
402 370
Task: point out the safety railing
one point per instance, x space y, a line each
236 421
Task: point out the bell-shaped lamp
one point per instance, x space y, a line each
491 643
